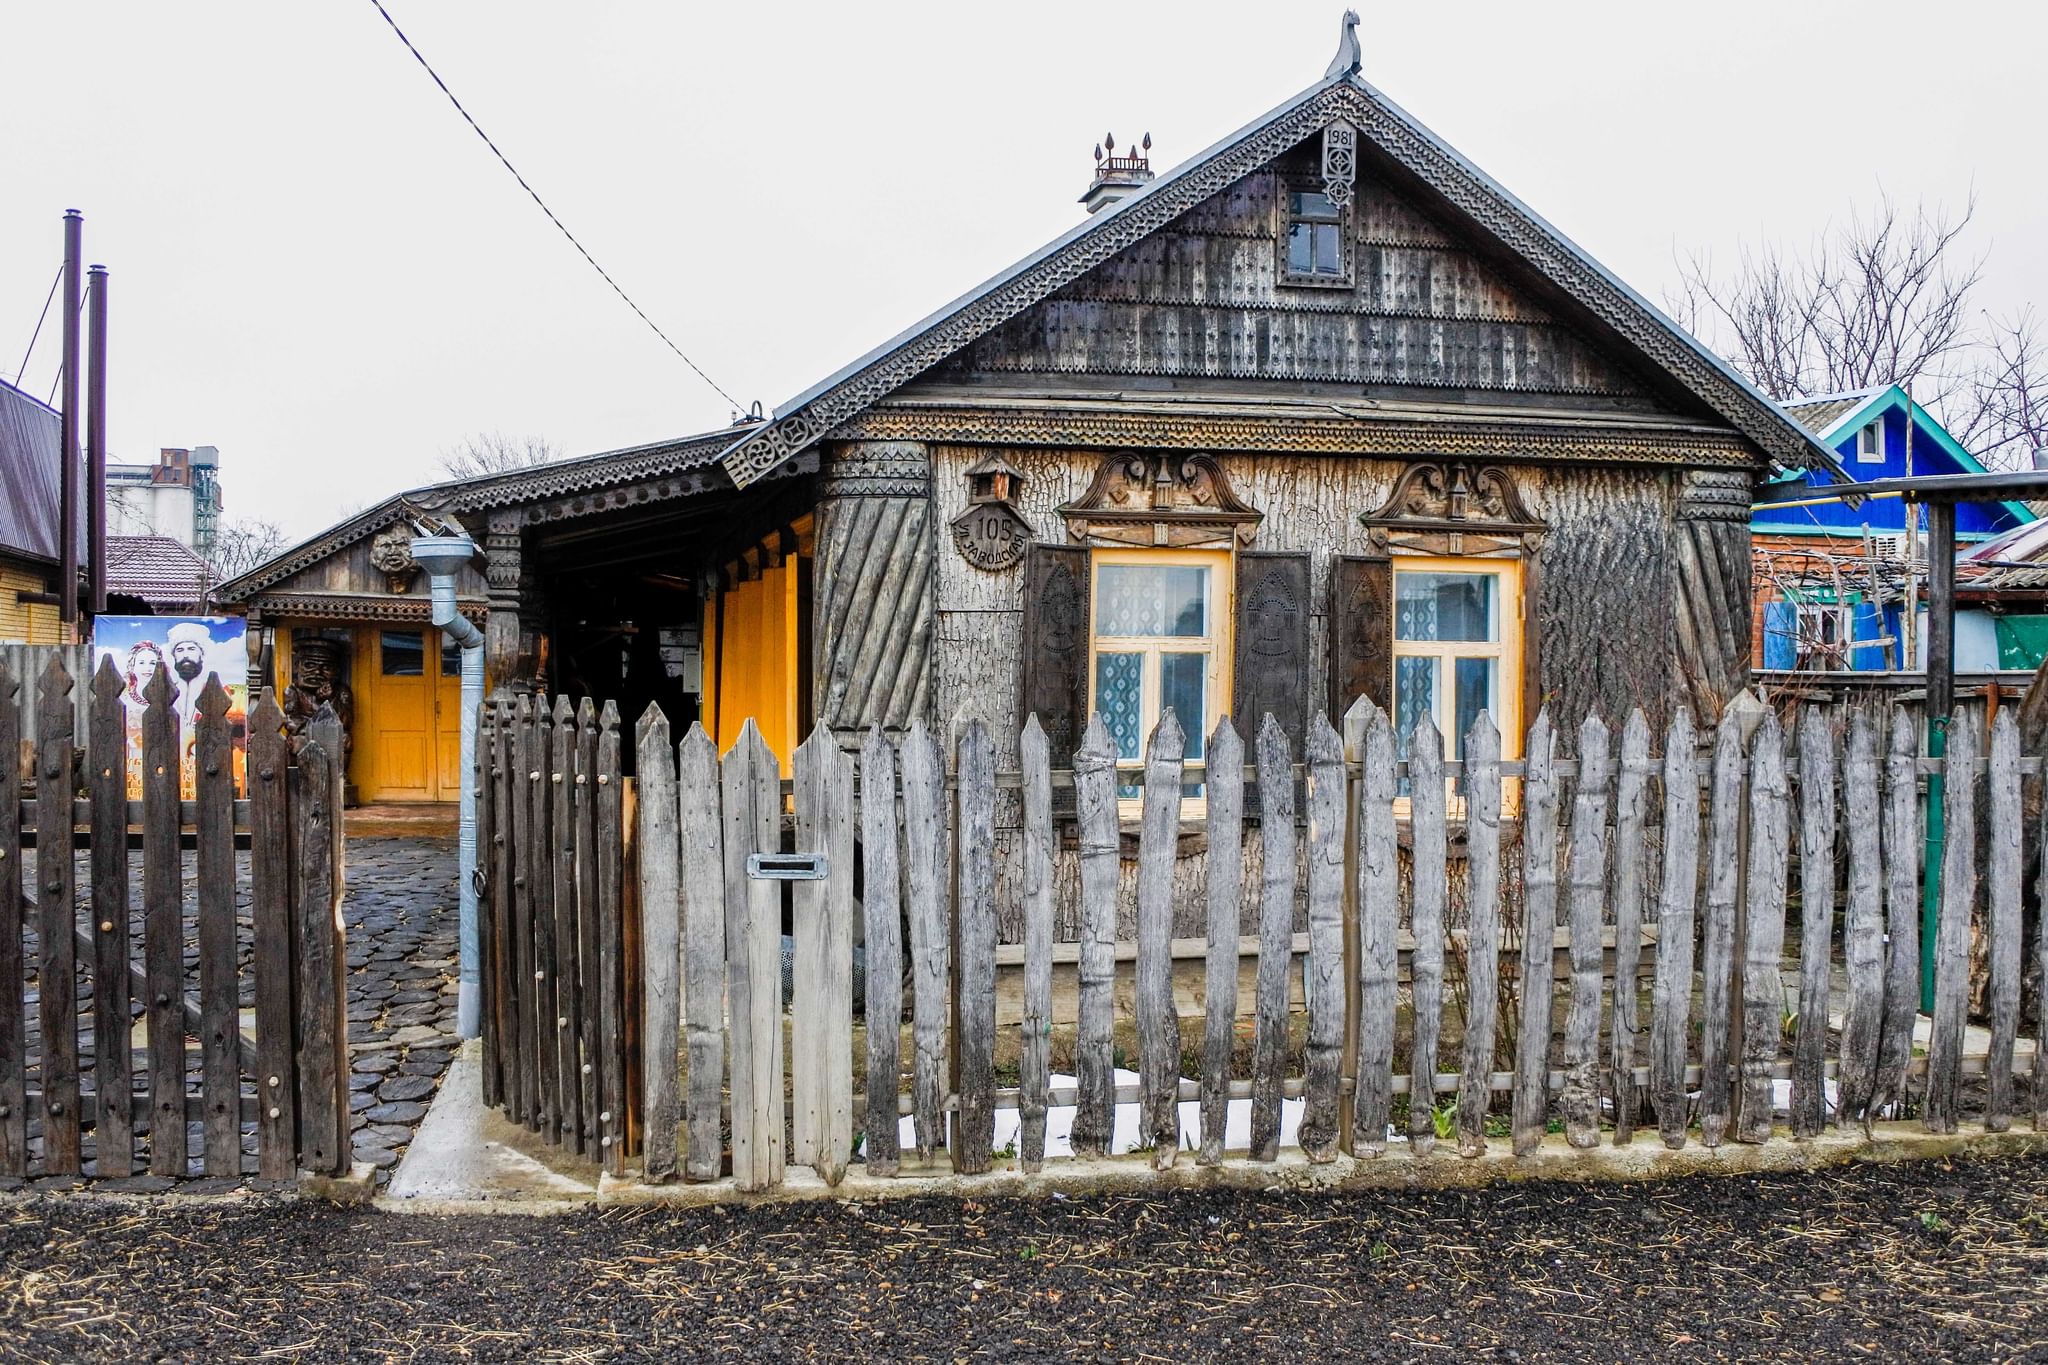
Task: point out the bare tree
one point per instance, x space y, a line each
2007 411
242 544
493 452
1882 299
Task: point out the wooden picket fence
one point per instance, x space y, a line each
289 1082
1677 869
553 923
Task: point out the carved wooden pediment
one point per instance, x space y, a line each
1454 507
1164 498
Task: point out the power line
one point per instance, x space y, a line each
40 318
428 68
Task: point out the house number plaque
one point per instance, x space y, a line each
991 535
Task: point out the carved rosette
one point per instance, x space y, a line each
1454 508
1161 499
391 555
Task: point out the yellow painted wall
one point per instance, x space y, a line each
23 622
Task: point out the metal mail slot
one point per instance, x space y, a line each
786 867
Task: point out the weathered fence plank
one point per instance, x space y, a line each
590 987
13 976
270 915
1539 920
107 786
163 930
1677 890
1763 989
1581 1091
1862 922
1717 930
706 862
926 864
810 963
219 988
1225 888
1327 833
323 1080
613 1004
1276 933
1629 889
490 932
1903 852
1379 879
1158 1022
1095 808
566 1010
1482 939
540 880
1952 927
881 909
2002 833
975 831
753 960
1816 918
2040 1076
1430 882
661 857
824 785
56 875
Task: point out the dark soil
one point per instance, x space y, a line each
1931 1262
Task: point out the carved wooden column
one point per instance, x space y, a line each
507 653
871 657
1711 583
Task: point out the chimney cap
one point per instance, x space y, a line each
1118 177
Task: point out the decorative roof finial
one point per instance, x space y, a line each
1348 59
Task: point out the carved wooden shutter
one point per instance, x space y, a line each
1054 662
1271 645
1361 633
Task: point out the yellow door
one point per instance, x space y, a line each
408 741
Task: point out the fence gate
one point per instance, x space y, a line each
199 1094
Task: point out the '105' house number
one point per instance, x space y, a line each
991 535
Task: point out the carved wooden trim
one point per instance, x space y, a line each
1453 507
1161 499
357 607
1072 427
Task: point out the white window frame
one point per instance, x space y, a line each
1506 651
1874 452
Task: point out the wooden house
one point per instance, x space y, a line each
29 539
1325 411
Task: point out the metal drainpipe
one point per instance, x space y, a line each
443 557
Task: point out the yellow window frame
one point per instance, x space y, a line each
1217 678
1507 651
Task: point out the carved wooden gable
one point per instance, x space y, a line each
1209 296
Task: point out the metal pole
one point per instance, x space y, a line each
96 444
67 441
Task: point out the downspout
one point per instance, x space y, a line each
443 557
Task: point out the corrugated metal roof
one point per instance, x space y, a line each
30 432
1818 414
157 569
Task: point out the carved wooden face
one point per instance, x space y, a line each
313 668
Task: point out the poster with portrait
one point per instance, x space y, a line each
192 648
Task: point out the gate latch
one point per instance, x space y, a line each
786 867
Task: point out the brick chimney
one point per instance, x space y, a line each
1117 177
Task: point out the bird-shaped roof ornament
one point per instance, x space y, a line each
1348 59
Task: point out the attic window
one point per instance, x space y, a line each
1315 248
1870 443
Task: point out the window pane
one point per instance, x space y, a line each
1328 260
1184 685
1119 699
1300 253
1414 698
402 653
1144 599
1309 204
1474 693
1444 606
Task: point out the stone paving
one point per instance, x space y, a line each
401 918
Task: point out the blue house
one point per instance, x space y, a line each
1827 571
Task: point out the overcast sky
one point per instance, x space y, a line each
318 268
